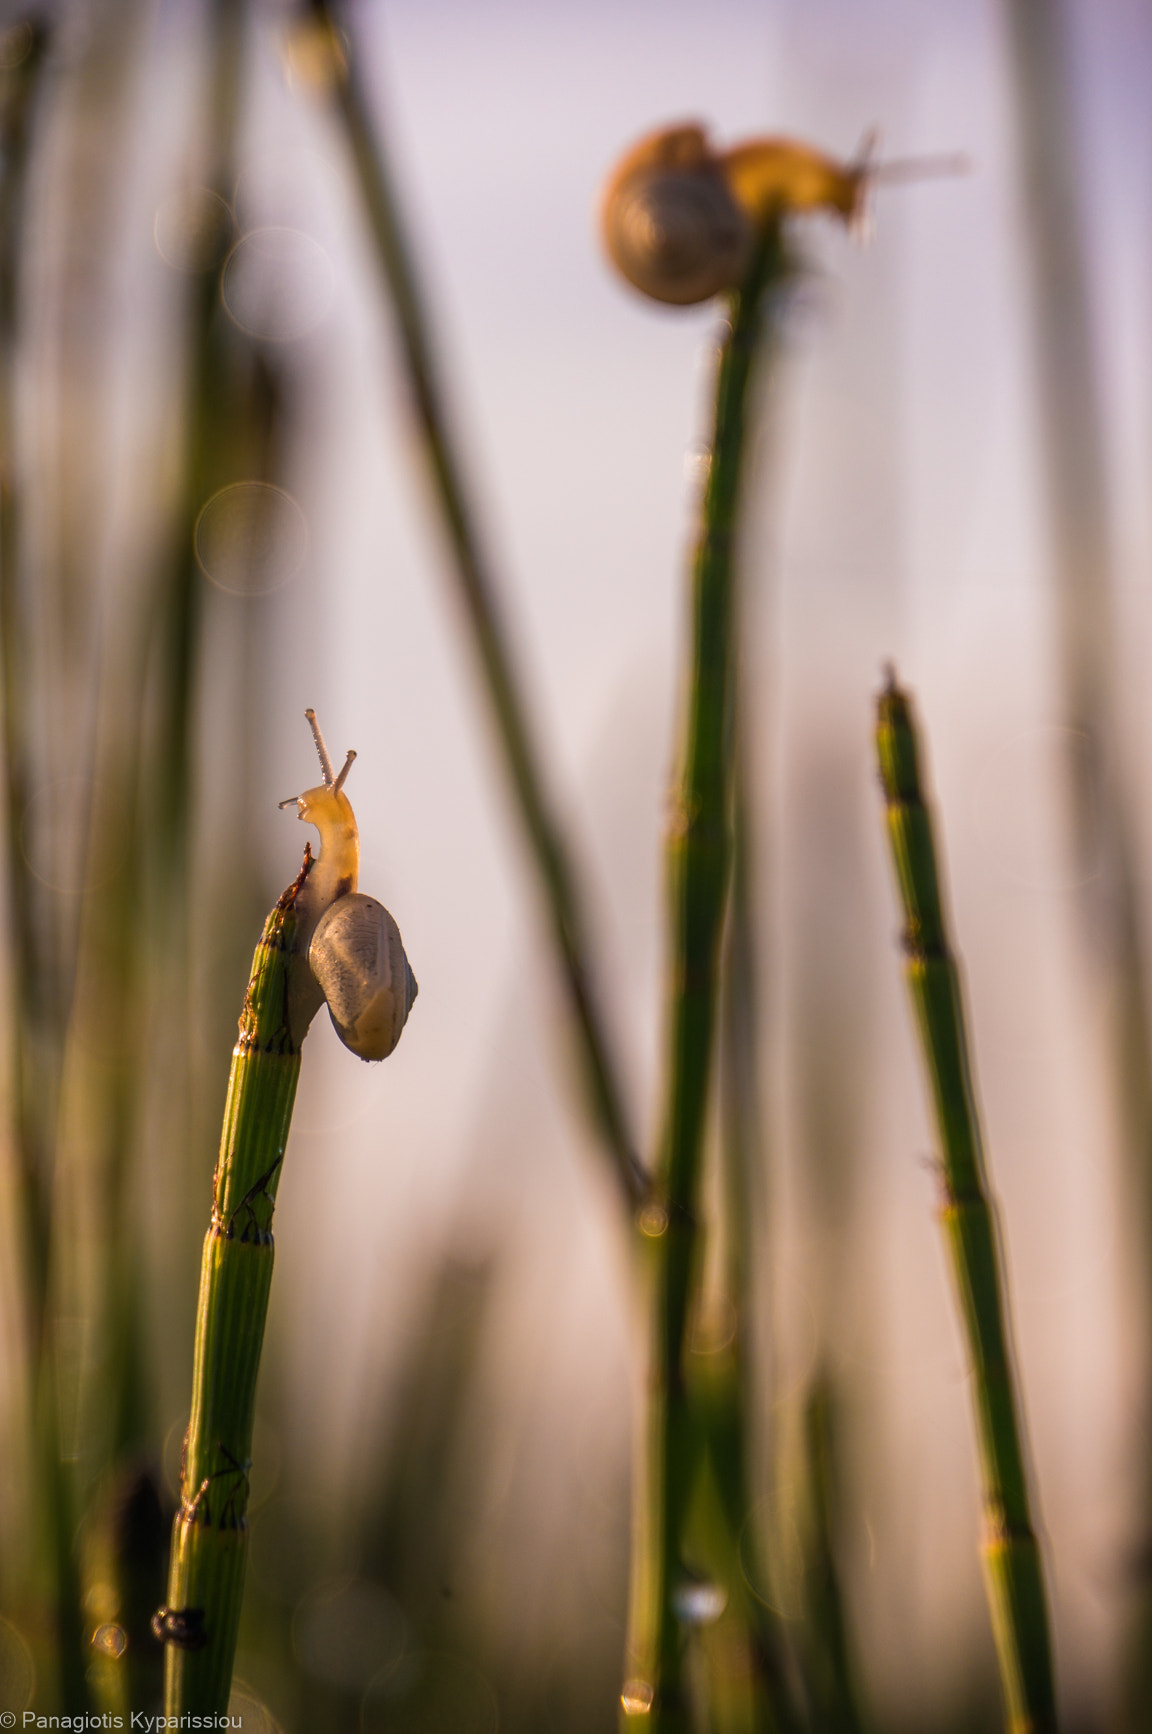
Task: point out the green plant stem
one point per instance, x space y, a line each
828 1669
209 427
699 850
36 1008
1011 1552
723 1379
33 1078
210 1533
478 595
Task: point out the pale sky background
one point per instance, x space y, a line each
895 510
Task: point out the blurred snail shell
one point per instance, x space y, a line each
670 221
680 219
347 949
357 957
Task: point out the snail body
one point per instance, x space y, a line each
774 176
347 949
680 219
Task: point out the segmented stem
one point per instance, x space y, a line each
1012 1561
698 852
210 1534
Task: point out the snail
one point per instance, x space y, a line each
680 219
672 223
349 948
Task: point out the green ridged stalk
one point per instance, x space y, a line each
210 1533
699 860
1013 1567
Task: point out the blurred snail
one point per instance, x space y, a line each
680 219
349 947
672 224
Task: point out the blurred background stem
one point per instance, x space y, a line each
478 595
1103 798
38 992
34 1090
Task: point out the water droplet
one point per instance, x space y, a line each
277 284
251 538
430 1692
193 229
346 1632
697 465
17 1669
636 1698
110 1640
653 1219
699 1602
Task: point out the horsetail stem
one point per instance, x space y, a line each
1013 1568
698 852
210 1534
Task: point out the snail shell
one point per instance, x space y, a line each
357 957
671 223
680 219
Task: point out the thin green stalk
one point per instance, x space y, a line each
210 1534
210 412
828 1667
1012 1561
478 594
722 1379
699 851
33 1097
36 1013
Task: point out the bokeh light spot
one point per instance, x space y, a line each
277 284
345 1633
110 1639
193 229
15 45
17 1670
251 538
430 1692
255 1716
55 840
